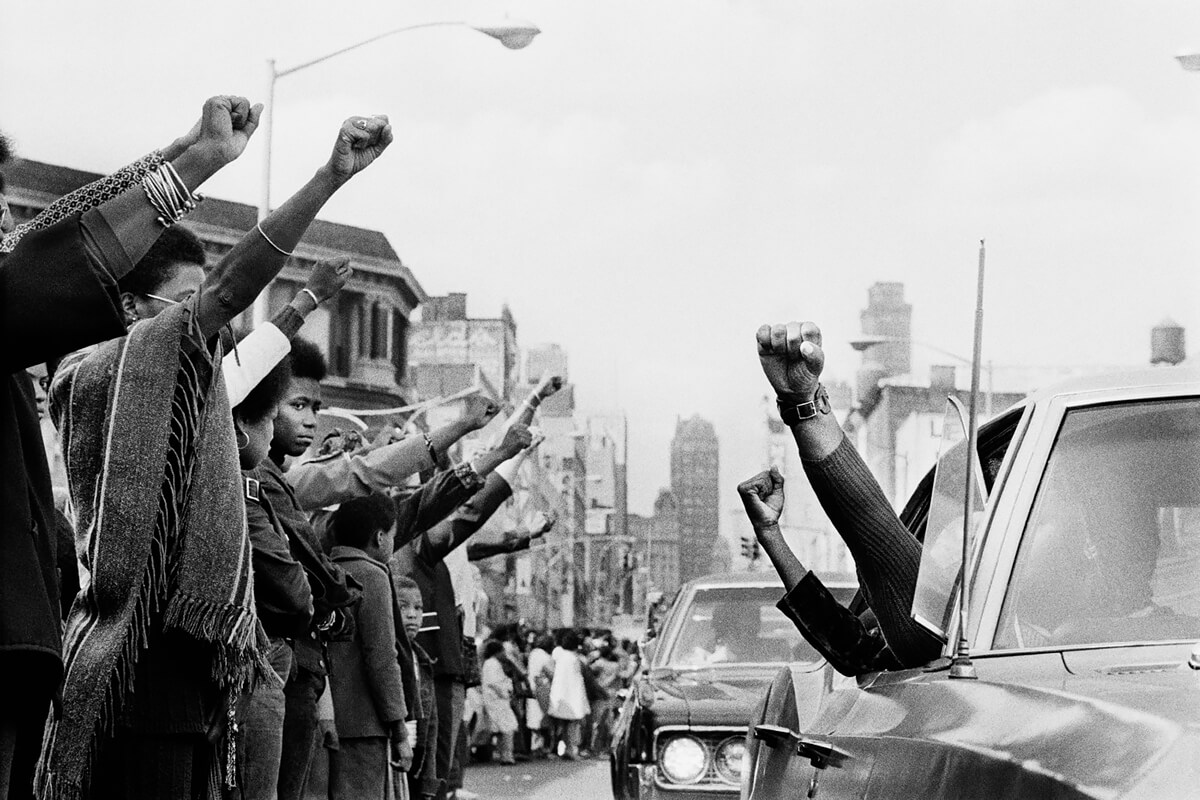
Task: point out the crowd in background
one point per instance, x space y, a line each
547 694
220 605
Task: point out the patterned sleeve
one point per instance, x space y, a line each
85 198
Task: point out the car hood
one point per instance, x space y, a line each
1104 722
1165 688
713 696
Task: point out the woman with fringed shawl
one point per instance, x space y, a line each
163 633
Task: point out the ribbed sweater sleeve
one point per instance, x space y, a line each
886 554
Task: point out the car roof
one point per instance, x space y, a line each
768 578
1150 376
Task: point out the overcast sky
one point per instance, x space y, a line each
648 182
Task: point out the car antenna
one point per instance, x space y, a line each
960 662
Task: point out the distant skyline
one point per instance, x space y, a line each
647 183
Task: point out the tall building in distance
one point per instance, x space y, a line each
694 482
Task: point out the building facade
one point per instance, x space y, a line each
362 331
694 483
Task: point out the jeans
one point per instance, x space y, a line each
299 732
261 728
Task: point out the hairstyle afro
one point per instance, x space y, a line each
265 396
306 360
356 521
176 245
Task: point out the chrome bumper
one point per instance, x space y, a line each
650 787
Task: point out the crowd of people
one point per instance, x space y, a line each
548 694
208 613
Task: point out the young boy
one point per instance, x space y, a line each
365 679
417 670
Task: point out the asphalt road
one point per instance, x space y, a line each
541 780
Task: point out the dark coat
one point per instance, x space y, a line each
364 670
331 588
56 295
282 595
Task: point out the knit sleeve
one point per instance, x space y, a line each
886 554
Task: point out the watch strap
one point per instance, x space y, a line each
792 412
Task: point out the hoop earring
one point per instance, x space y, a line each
239 432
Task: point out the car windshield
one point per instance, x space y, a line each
737 625
1111 549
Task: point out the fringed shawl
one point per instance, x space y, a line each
154 479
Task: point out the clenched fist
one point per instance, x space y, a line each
516 439
479 411
762 496
328 278
360 141
792 359
547 386
226 124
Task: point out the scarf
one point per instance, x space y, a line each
153 471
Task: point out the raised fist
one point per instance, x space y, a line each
548 385
516 439
360 141
549 520
328 278
791 357
479 411
762 496
226 124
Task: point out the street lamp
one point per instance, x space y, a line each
512 33
1189 61
869 340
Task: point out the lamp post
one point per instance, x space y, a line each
512 33
867 341
1189 61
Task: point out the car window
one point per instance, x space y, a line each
735 625
1111 549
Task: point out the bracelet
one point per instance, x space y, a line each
258 227
305 290
168 194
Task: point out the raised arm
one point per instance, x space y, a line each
195 156
326 481
254 261
523 414
513 541
886 554
256 355
762 497
58 289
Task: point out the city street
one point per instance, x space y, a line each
542 780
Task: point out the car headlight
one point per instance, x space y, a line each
683 760
730 760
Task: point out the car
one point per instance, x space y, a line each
1078 674
681 731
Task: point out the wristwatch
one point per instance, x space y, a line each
792 413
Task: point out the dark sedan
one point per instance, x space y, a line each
681 732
